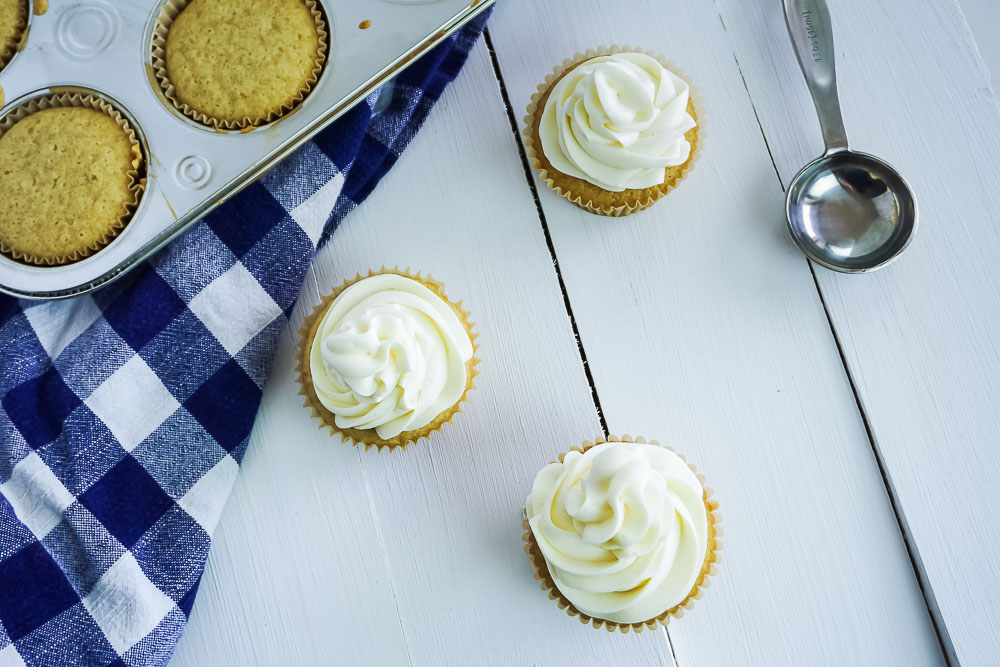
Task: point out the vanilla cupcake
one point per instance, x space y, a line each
385 360
238 64
613 130
622 533
13 21
70 178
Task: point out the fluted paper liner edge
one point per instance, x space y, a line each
136 186
532 143
169 13
9 48
368 437
709 568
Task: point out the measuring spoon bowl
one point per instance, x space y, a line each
850 211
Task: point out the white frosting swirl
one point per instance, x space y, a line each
623 528
389 354
617 121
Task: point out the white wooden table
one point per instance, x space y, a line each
849 424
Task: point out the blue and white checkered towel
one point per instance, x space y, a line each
125 414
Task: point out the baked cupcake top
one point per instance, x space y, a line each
13 19
66 180
617 121
242 60
390 355
623 528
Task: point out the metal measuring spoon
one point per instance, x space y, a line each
849 211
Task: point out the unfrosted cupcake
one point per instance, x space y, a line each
237 64
69 178
13 21
386 359
621 533
613 130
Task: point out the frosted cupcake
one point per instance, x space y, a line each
622 534
613 130
385 360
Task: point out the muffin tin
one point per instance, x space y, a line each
104 48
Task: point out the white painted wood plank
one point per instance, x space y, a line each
920 337
328 554
703 327
983 17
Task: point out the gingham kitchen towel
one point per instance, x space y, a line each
126 413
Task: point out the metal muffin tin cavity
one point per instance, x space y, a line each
104 48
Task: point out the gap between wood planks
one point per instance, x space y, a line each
529 177
933 610
360 451
545 225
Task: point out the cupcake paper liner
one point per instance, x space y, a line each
368 437
159 55
10 48
136 175
709 567
563 184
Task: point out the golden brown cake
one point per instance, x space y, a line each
67 184
613 130
240 63
13 20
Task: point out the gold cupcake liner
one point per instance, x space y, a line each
136 175
159 55
10 48
368 437
563 184
709 567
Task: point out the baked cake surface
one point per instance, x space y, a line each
239 59
13 14
64 182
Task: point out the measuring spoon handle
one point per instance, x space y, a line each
812 36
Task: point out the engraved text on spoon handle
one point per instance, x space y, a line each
812 36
